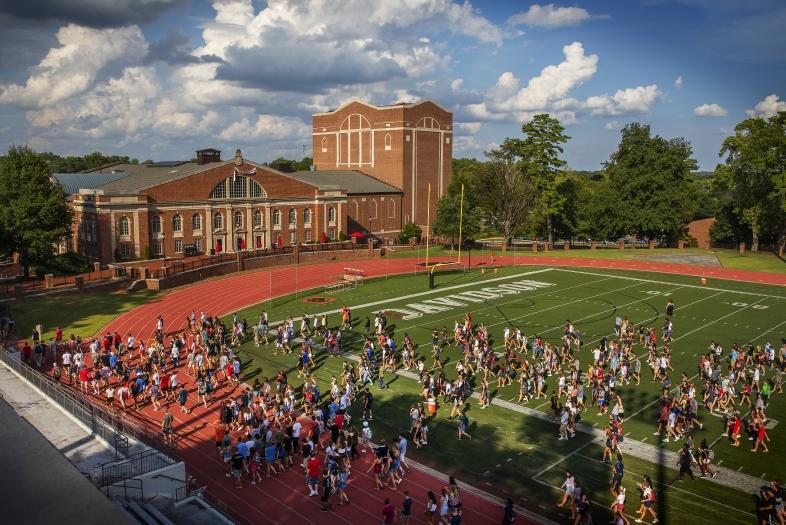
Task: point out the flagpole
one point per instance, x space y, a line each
428 221
461 220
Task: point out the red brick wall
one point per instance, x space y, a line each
700 230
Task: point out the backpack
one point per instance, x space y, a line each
654 495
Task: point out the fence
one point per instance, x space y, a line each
108 426
134 465
8 286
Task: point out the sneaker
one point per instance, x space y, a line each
655 520
714 474
638 521
655 433
666 440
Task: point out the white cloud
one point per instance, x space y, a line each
769 107
710 110
549 91
72 68
612 125
456 84
630 101
553 82
551 16
268 127
678 82
470 127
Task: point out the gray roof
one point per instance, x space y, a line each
73 182
139 177
352 181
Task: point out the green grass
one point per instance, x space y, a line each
754 261
510 448
79 314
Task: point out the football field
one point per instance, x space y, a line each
514 451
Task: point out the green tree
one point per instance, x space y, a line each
34 215
505 193
410 230
755 174
651 184
539 153
449 218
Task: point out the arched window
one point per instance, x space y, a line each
391 208
238 219
307 216
124 226
292 217
156 224
324 144
218 221
331 215
372 209
237 187
177 223
257 218
388 142
196 222
276 218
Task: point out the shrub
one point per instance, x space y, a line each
68 263
410 230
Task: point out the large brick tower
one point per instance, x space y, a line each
405 145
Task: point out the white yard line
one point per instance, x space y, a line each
561 269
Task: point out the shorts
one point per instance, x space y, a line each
647 504
236 472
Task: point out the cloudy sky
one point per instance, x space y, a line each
161 78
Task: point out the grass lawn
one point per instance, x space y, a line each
79 314
517 455
754 261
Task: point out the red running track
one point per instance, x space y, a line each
283 499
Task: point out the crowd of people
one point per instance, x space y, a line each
261 430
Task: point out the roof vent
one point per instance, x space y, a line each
238 158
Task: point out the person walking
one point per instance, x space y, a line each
388 513
166 427
327 490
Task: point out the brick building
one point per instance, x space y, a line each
408 146
373 165
137 210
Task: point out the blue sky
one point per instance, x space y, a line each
160 78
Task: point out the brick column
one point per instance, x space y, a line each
79 282
681 244
593 245
566 246
651 245
49 280
742 247
622 245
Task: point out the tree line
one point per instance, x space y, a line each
648 188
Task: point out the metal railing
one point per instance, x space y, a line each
110 427
134 465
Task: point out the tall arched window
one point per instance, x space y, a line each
331 215
372 209
156 224
276 218
307 216
196 222
388 142
124 227
292 217
324 144
218 221
177 223
238 219
257 218
391 208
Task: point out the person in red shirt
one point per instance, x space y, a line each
340 420
58 335
83 378
26 351
312 468
388 513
